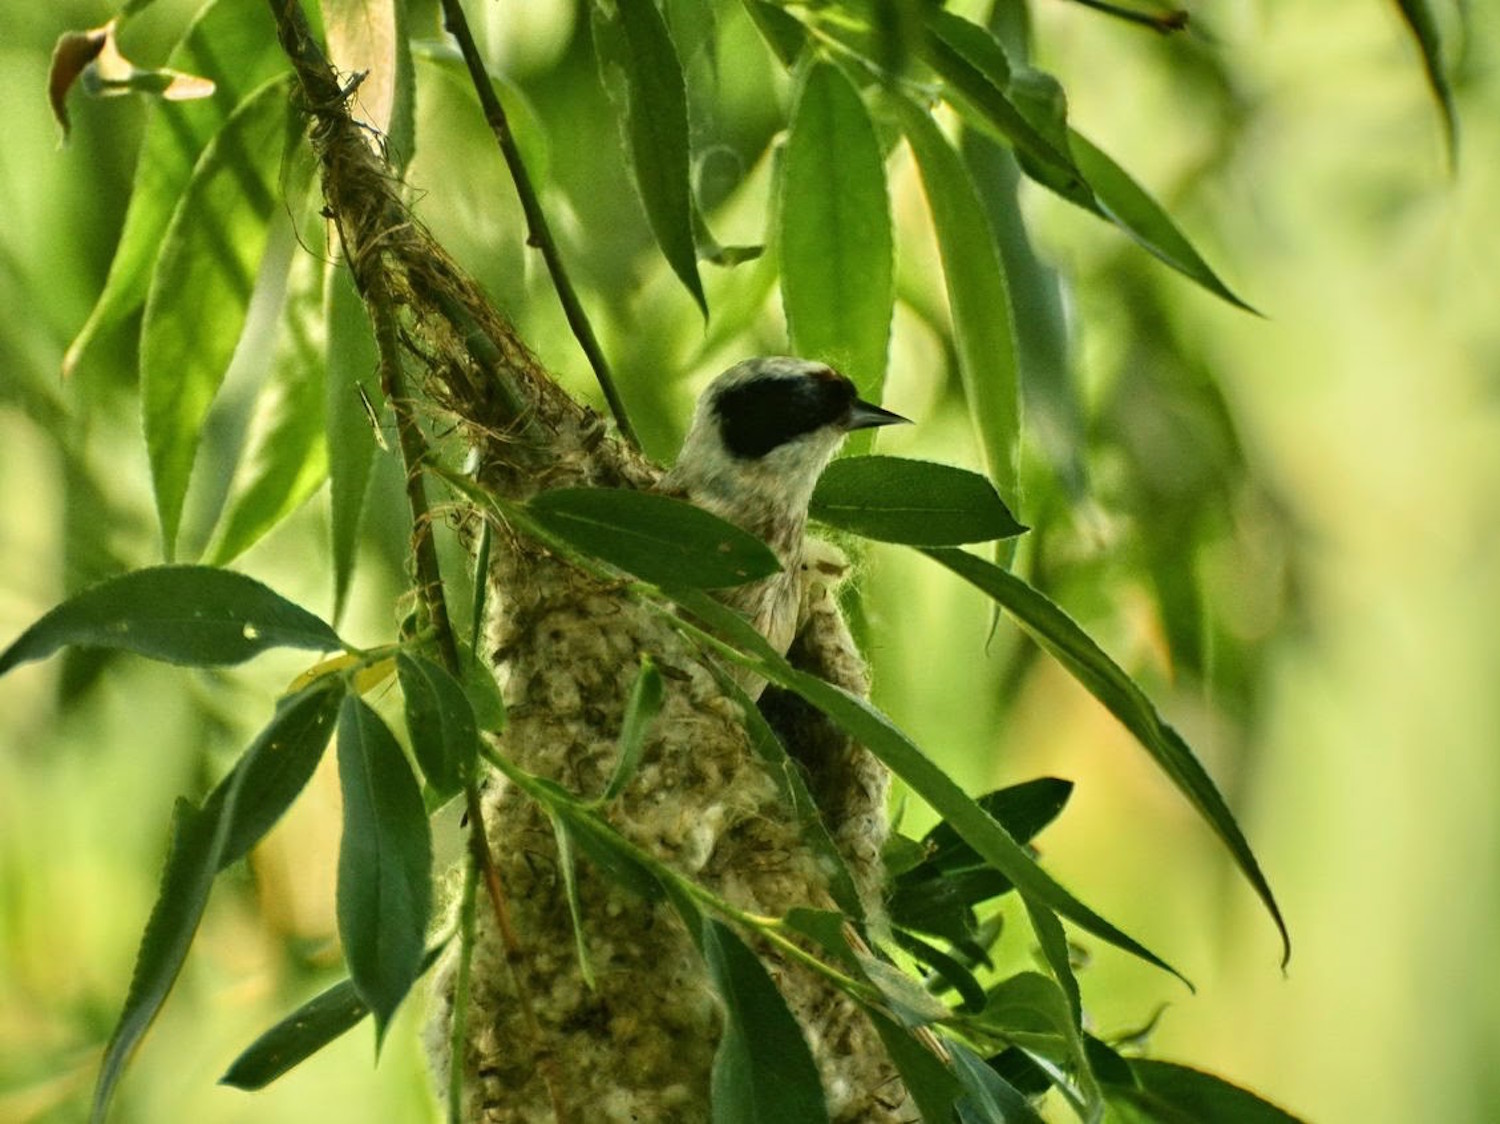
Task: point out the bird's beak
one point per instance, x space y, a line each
862 415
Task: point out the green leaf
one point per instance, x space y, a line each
654 537
893 499
781 30
1049 388
1054 944
763 1072
1022 809
977 296
1176 1094
201 287
640 66
950 971
1034 1013
905 997
791 786
1419 18
931 1084
973 64
641 710
304 1032
834 239
440 721
569 867
193 615
278 764
875 731
385 863
232 44
938 894
606 850
195 857
826 929
1128 205
351 360
287 456
1055 631
988 1097
930 901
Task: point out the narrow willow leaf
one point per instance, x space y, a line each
385 863
973 64
641 710
950 971
231 44
779 28
977 296
369 37
641 67
1054 406
304 1032
905 997
763 1071
931 1084
351 362
286 459
834 238
654 537
200 290
1128 205
1419 18
875 732
1055 631
1176 1094
792 788
440 721
988 1097
1022 809
893 499
606 850
195 857
1054 944
1034 1012
569 867
938 895
1107 1063
278 765
826 929
193 615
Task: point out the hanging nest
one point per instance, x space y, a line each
566 646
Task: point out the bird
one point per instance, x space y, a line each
762 433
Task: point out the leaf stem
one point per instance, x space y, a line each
772 929
458 1030
539 234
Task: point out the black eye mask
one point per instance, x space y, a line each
765 413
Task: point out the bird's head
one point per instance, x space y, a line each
761 436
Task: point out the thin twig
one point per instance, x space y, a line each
1164 22
539 234
413 457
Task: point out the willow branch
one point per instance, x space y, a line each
539 234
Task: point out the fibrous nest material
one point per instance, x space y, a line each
566 646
